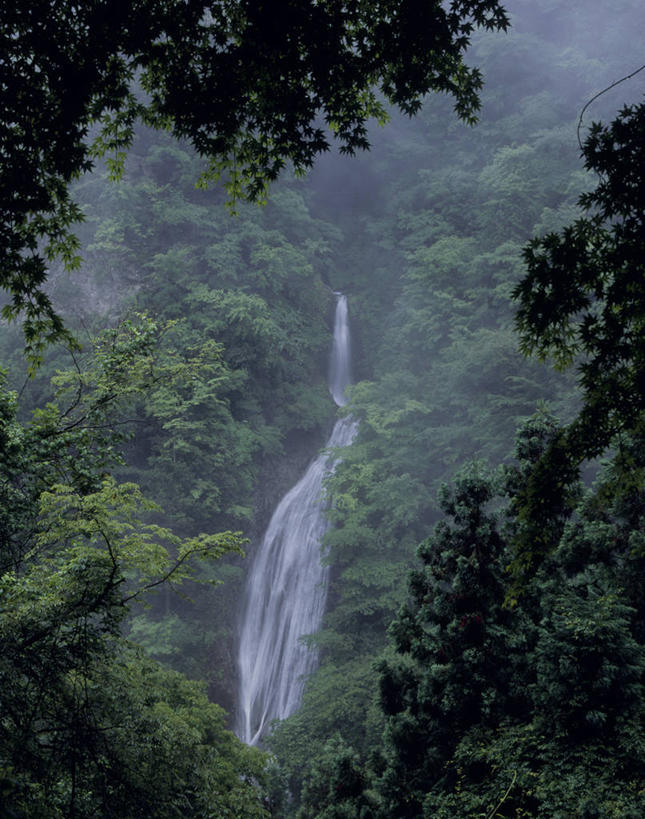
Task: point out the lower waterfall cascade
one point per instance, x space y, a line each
286 590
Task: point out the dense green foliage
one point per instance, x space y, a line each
250 287
582 300
446 380
497 693
247 293
247 83
90 726
535 710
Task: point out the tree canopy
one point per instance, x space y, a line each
250 84
582 299
90 725
571 638
513 694
582 302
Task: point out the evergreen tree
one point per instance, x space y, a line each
335 787
538 712
456 671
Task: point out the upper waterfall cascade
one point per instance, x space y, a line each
339 367
287 586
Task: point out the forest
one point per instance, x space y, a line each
186 188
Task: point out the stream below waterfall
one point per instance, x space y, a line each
286 589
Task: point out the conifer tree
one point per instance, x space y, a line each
454 672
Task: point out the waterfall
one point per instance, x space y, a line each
287 587
339 366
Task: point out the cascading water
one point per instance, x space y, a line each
287 586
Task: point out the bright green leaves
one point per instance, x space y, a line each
91 726
111 521
67 508
117 124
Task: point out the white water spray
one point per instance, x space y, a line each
287 586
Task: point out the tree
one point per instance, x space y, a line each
335 786
454 672
531 710
582 300
89 725
251 85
